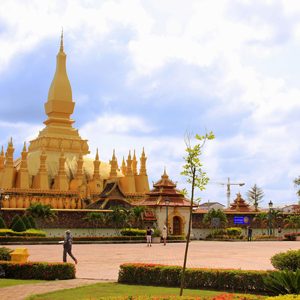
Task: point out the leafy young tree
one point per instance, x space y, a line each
297 185
119 218
255 195
197 178
26 222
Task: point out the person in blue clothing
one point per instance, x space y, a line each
68 247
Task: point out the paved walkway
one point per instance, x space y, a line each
20 292
102 261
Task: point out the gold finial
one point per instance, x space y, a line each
10 141
134 157
97 155
61 49
114 155
2 151
24 147
129 155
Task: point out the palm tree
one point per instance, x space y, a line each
119 218
262 218
97 219
138 214
41 212
292 221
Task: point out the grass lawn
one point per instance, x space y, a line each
100 290
9 282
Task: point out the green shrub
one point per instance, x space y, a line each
284 282
133 232
214 279
19 226
284 297
2 223
5 253
26 222
38 270
234 231
14 220
289 260
29 232
32 222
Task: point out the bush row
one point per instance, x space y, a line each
28 238
28 232
217 297
38 270
292 236
215 279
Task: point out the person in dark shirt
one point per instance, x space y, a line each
249 233
149 236
68 247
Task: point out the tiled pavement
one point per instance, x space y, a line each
101 261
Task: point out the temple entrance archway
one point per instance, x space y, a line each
177 225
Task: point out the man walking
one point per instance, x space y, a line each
68 247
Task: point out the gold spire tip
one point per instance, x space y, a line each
61 49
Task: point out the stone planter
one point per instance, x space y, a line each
156 240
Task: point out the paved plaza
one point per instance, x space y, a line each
102 261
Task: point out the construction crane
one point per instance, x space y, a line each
228 184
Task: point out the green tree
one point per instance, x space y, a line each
2 223
138 216
262 219
215 214
255 195
97 220
297 185
41 212
197 178
119 218
19 226
292 221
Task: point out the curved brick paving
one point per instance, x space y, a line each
101 261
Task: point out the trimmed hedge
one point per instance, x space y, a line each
28 232
133 232
214 279
38 270
292 236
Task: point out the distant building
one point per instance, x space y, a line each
293 208
211 205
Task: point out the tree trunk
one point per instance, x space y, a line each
188 236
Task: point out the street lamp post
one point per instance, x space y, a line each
270 217
167 202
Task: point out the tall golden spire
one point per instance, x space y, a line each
134 164
59 108
113 166
143 159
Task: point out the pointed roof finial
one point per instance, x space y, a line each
97 155
24 147
2 151
61 49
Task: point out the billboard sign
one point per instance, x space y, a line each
241 220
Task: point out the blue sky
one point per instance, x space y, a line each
145 72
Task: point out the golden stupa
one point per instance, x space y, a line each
54 169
